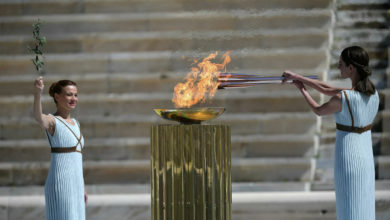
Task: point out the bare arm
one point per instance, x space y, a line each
45 121
322 87
332 106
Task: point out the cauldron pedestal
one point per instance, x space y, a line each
191 172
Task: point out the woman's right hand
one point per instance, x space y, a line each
38 85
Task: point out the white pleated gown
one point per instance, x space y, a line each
64 187
354 169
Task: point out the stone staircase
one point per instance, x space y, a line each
126 57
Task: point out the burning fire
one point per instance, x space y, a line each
201 83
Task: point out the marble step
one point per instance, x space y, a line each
383 166
184 21
245 205
119 83
166 61
130 188
141 103
100 149
388 50
20 7
362 4
367 38
139 188
385 115
388 68
364 18
170 41
385 94
139 125
138 171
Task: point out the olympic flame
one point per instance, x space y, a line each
201 82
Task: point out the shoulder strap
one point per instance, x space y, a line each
349 107
81 134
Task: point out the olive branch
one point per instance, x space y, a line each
37 50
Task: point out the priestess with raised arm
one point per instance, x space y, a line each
65 196
354 110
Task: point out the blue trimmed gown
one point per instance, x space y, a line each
64 187
354 169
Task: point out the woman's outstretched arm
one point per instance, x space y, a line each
330 107
45 121
315 84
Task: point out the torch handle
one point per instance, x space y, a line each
234 80
247 77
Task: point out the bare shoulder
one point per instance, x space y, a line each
335 103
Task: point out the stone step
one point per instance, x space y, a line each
129 188
171 41
100 149
362 4
119 83
385 115
383 165
139 125
138 171
385 93
245 205
364 18
237 187
20 7
140 103
387 80
184 21
388 52
366 38
167 61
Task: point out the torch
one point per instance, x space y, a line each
236 80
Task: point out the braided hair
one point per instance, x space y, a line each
358 57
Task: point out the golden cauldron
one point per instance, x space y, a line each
190 115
